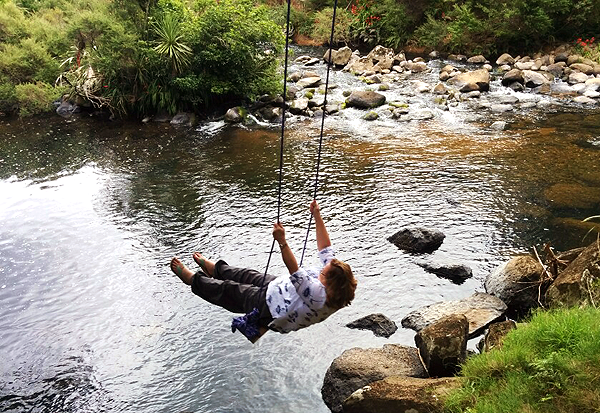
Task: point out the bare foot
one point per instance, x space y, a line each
181 271
206 265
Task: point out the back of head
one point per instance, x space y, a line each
340 284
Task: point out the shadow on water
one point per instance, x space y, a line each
92 212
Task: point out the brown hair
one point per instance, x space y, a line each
340 284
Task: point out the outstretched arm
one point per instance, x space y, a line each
286 253
323 240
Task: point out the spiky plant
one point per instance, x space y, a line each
170 43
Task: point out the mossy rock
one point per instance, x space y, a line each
371 115
383 87
399 105
309 95
346 93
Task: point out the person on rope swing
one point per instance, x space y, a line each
284 304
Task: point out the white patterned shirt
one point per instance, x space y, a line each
298 300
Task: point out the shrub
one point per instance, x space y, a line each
322 30
34 98
8 97
27 61
395 24
236 47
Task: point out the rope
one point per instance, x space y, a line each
318 164
281 139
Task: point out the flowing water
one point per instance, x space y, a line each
92 320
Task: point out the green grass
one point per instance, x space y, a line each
551 364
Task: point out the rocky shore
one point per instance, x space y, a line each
562 75
402 378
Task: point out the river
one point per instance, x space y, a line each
92 320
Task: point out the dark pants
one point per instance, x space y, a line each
238 290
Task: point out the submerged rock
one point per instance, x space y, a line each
457 273
480 309
378 323
418 240
358 367
574 195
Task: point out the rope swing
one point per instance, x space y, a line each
248 324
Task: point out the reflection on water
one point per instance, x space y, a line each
91 213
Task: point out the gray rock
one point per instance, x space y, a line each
534 79
555 69
495 335
592 83
418 240
378 323
584 100
578 77
465 81
508 99
457 273
332 108
500 108
365 99
573 284
294 77
373 79
517 282
443 345
514 75
299 106
479 59
341 57
398 394
235 115
312 61
183 119
505 59
524 65
308 82
480 309
66 109
358 367
472 95
439 89
583 68
499 125
371 115
417 67
457 57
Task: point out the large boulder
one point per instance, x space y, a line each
359 65
480 309
378 323
183 119
457 273
398 394
358 367
517 283
465 82
443 345
418 240
575 284
66 109
365 99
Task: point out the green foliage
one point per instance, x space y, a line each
432 34
235 47
27 61
34 98
322 30
395 23
8 96
544 366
